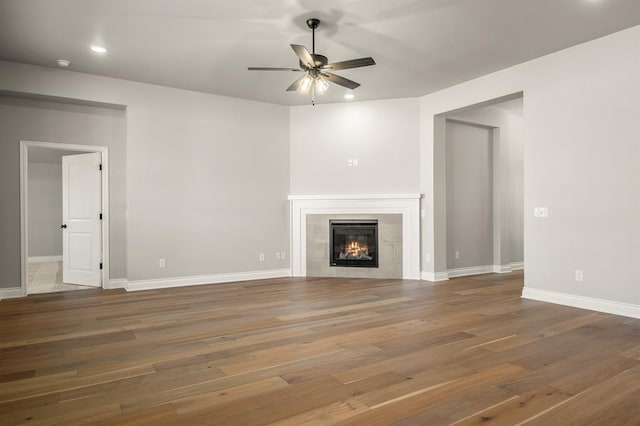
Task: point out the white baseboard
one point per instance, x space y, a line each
40 259
516 266
434 276
501 269
205 279
9 293
485 269
116 283
473 270
584 302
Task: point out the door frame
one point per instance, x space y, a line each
24 204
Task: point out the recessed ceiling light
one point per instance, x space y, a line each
63 63
349 96
98 49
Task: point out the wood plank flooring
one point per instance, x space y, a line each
316 351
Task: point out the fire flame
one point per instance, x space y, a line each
354 248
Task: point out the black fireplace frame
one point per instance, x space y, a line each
353 223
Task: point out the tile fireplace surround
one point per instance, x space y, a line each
407 205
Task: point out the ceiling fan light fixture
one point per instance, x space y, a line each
305 84
317 84
321 85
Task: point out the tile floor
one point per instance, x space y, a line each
46 277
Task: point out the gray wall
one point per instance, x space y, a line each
207 177
45 209
515 187
42 121
382 135
581 108
508 179
581 161
469 186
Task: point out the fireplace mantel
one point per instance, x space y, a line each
408 205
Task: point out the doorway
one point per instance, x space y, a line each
479 178
64 225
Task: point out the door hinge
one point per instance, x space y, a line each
100 265
100 216
100 167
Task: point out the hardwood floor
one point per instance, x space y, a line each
316 351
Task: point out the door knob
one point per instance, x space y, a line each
63 226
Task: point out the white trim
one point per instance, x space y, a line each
434 277
583 302
485 269
10 293
515 266
24 175
408 205
501 269
473 270
206 279
117 283
355 197
42 259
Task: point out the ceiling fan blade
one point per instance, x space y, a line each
296 84
273 69
345 82
304 55
353 63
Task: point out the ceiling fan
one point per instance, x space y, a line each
315 66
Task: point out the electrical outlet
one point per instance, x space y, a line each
355 162
350 162
261 257
283 255
277 255
541 212
457 255
162 263
579 275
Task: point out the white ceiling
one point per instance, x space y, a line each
420 46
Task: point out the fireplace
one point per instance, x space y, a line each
398 233
353 243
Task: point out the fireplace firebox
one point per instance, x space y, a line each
353 243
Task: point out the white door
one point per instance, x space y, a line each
81 219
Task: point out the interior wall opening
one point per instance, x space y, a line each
480 173
64 224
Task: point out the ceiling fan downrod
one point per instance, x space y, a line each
313 23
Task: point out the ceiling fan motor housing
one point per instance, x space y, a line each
318 60
313 23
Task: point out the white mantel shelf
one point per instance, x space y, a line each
408 205
356 197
